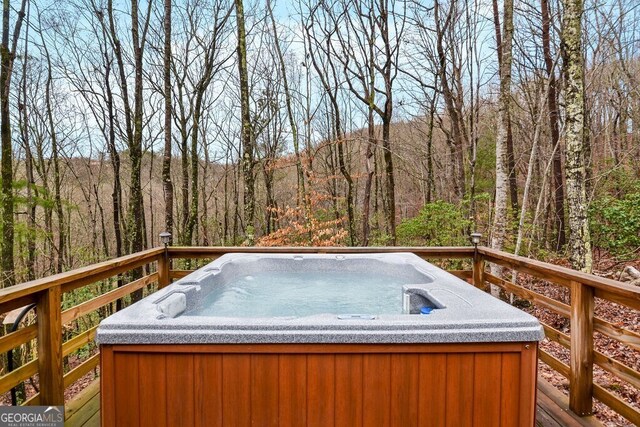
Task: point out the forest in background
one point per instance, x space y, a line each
337 122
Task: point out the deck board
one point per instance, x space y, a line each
94 421
551 408
84 408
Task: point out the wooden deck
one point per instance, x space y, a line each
162 265
552 408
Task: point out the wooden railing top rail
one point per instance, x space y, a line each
563 275
431 252
98 271
75 278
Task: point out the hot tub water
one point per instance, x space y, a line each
301 293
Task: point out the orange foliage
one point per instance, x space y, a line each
317 230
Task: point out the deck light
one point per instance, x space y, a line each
475 238
165 238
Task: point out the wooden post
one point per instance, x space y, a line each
50 347
478 271
581 380
164 265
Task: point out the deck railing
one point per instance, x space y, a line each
52 322
48 293
583 290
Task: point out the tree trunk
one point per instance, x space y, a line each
204 216
457 140
32 190
8 274
342 165
332 184
366 199
167 183
116 195
511 164
376 193
247 142
388 169
552 106
135 226
270 213
302 193
193 208
513 185
332 93
32 195
579 236
136 208
56 165
347 176
236 205
431 184
502 165
225 224
533 164
387 116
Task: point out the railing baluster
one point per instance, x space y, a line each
478 271
50 346
581 378
164 266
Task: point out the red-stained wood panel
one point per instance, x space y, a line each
180 383
349 391
208 390
107 384
292 402
320 390
467 385
432 390
528 375
376 386
486 393
236 390
264 390
404 389
459 394
510 390
153 390
126 377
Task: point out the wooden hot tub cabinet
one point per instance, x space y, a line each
479 384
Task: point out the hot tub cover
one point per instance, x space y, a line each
470 316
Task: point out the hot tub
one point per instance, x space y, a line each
289 339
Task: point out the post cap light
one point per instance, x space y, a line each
475 238
165 237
